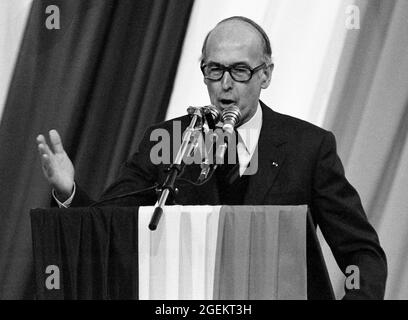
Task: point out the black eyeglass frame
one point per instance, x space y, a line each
229 68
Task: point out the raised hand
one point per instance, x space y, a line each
56 165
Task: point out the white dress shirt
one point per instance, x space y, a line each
67 202
248 136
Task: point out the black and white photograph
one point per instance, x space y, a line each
203 151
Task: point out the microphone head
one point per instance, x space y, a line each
231 116
210 109
210 113
190 110
215 113
193 110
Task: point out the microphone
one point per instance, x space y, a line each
186 148
210 112
231 116
205 165
212 115
207 117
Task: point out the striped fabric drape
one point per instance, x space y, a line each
197 252
100 80
206 252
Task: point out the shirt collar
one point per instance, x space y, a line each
250 130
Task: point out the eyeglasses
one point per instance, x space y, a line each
239 72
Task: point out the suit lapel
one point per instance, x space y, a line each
271 156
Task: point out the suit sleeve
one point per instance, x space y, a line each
338 211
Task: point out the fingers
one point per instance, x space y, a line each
46 164
43 147
45 154
40 139
56 141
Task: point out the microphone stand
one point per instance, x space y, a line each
190 138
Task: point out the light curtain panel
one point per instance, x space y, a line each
13 17
223 252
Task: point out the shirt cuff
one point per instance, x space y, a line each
67 202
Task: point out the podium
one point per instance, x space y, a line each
197 252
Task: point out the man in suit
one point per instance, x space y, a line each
297 162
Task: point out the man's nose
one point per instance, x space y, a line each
226 81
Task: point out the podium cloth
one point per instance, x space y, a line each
197 252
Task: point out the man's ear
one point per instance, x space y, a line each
266 76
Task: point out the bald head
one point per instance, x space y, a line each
239 29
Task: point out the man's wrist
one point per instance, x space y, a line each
62 196
64 203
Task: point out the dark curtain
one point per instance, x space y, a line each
100 80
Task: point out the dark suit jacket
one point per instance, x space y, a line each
297 164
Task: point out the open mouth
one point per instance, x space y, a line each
227 102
